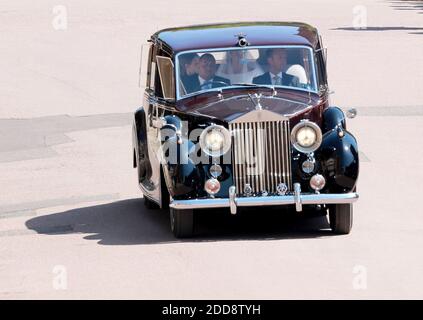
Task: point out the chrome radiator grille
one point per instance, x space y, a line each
261 155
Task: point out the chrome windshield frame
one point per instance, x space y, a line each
312 61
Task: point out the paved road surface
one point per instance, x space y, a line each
72 222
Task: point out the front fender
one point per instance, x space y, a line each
339 160
185 168
333 117
183 178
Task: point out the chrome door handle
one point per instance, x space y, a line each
157 121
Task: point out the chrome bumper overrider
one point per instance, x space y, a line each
298 199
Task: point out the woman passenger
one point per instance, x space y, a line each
239 66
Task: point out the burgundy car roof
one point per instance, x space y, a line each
225 35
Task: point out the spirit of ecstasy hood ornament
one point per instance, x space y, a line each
256 102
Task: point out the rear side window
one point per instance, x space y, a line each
167 82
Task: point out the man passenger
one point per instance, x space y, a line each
206 78
276 60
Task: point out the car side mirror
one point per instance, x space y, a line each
351 113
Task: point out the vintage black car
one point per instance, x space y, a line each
238 115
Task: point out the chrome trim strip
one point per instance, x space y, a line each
250 153
243 158
269 158
256 158
272 153
260 153
279 152
287 156
235 153
321 198
247 154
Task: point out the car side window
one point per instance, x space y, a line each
144 73
153 76
166 75
149 81
156 80
153 79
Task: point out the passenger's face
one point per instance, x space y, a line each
192 68
235 57
207 67
277 60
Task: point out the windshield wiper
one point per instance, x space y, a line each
220 89
269 86
244 84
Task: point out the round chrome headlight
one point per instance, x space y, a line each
306 136
215 140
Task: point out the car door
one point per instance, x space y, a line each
158 99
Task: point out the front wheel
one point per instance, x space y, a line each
182 222
341 218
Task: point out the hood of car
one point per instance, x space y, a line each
250 108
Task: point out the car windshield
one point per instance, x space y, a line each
282 66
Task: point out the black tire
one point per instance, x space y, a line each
149 204
341 218
181 222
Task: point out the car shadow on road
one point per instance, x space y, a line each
128 222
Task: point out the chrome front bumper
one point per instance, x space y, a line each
298 199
